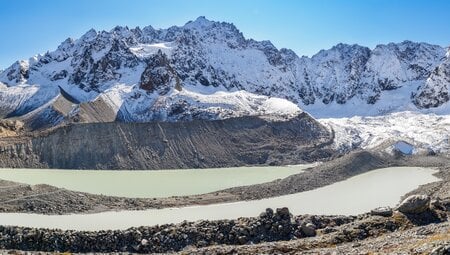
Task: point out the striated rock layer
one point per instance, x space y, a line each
167 145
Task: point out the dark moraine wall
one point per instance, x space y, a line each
164 145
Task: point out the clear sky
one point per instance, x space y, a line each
29 27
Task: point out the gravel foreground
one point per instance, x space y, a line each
273 232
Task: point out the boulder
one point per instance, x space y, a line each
308 229
414 204
382 211
267 214
144 242
283 212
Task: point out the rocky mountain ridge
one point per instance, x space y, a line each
209 70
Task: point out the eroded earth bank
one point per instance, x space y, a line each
231 142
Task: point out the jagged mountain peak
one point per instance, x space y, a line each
90 35
199 23
342 50
144 73
347 47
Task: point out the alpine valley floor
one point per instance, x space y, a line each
343 234
202 95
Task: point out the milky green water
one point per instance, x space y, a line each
161 183
359 194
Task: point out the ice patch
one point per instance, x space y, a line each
243 102
97 55
280 106
423 131
403 147
147 50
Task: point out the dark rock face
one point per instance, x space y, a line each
162 145
18 73
60 75
159 75
348 61
435 92
90 74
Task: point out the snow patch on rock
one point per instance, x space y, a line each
190 104
147 50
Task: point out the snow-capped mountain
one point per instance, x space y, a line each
435 91
208 70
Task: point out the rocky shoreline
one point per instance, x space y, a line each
270 226
45 199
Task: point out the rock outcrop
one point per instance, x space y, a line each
435 92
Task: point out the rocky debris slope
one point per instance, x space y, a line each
344 167
433 239
337 170
165 145
201 70
18 197
415 232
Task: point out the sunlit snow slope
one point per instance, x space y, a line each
209 70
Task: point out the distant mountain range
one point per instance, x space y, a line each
209 70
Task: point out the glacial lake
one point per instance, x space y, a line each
160 183
359 194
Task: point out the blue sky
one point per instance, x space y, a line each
30 27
